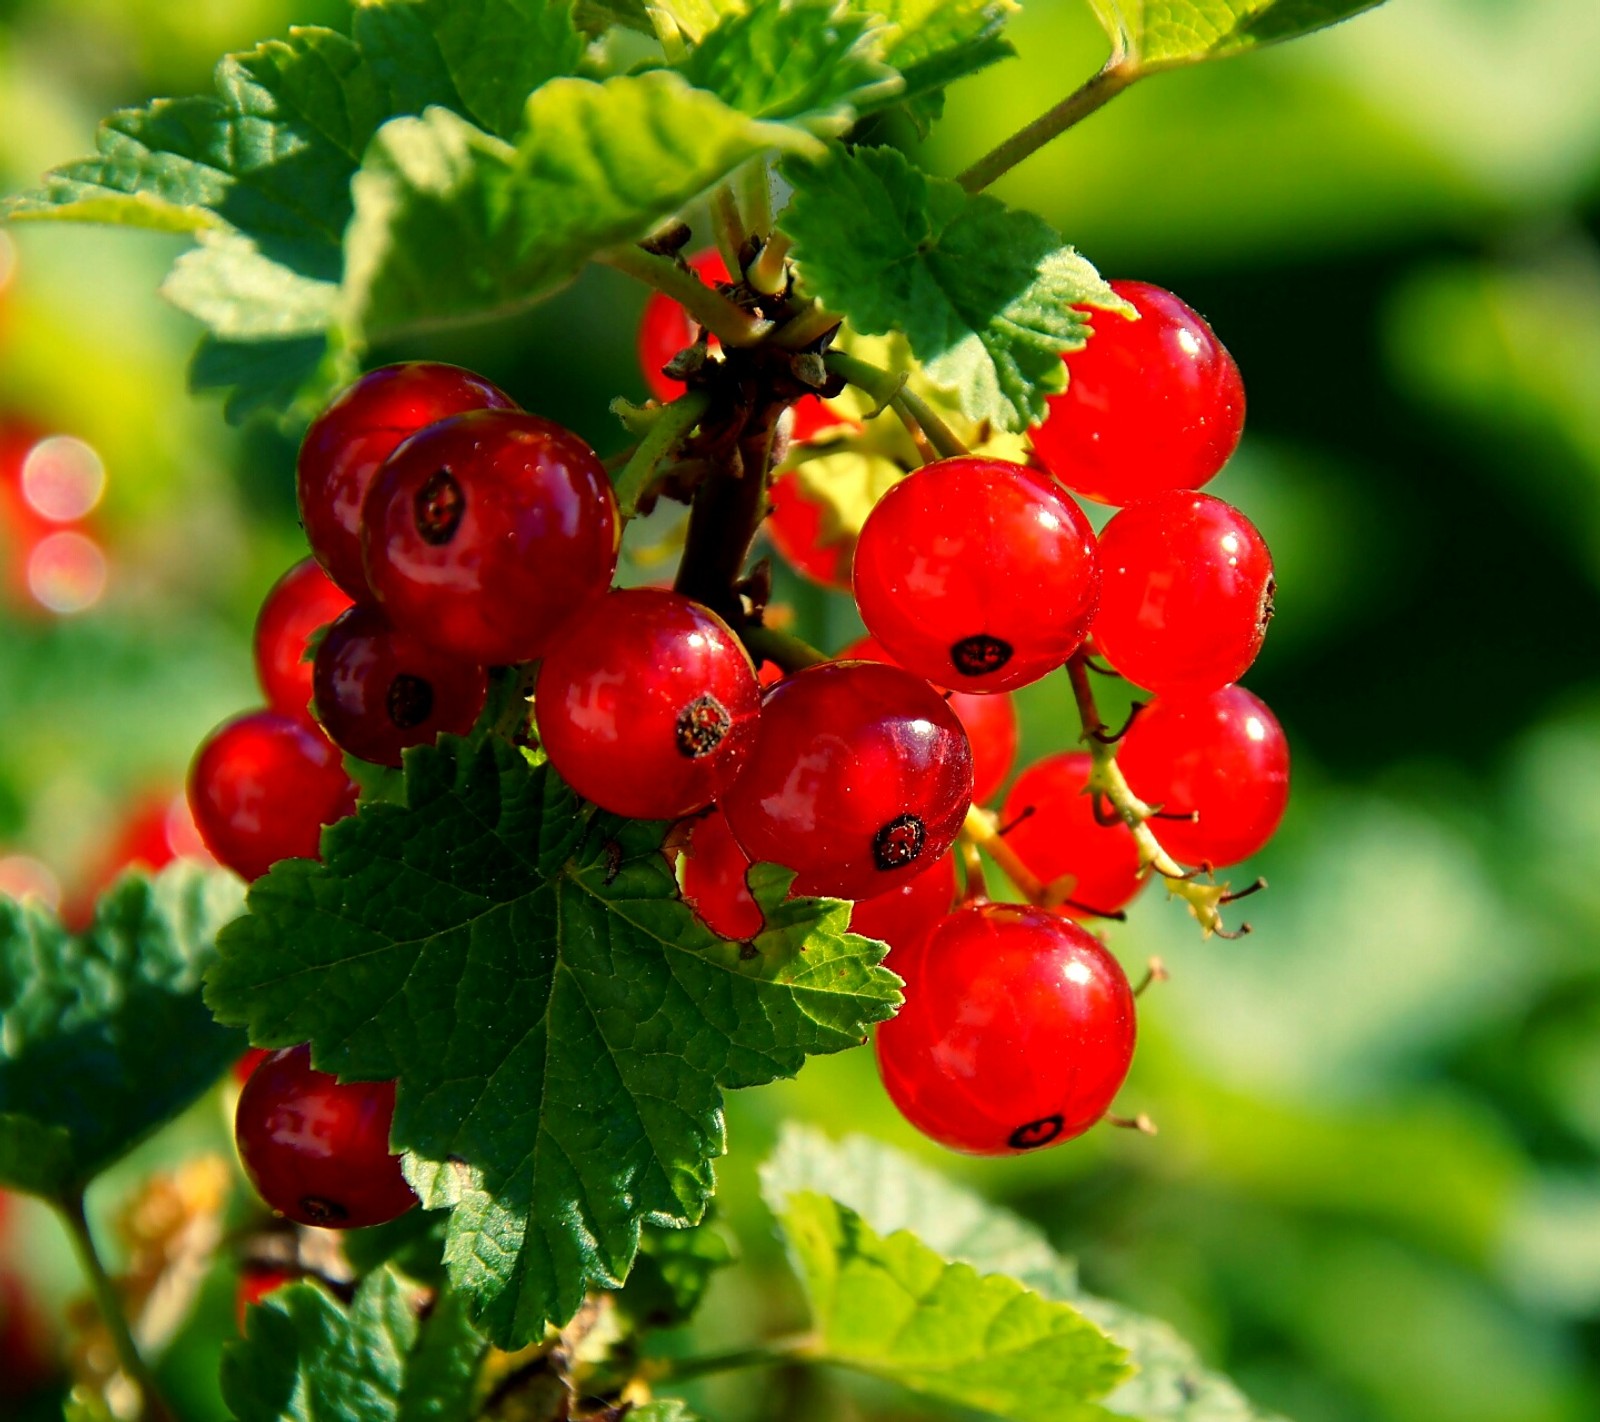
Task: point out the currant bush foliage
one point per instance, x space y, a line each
87 1023
1159 34
561 1025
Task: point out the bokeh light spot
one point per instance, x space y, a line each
67 572
63 478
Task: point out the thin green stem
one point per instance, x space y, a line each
784 648
891 392
729 322
755 194
809 327
912 408
671 425
777 1353
1077 106
769 274
729 229
880 384
154 1407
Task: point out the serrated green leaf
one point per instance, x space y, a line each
599 165
891 1306
987 296
810 62
305 1356
935 42
691 20
1158 34
413 1244
225 283
892 1192
103 1035
672 1273
561 1025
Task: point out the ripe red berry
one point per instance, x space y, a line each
989 721
1054 832
301 602
647 704
666 328
261 788
256 1281
485 532
1186 593
379 691
797 528
355 434
715 887
316 1148
246 1065
1017 1031
1221 757
859 778
977 574
1150 405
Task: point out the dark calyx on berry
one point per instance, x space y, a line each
1038 1133
410 701
701 726
899 842
980 653
439 505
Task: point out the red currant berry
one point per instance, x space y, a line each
1186 594
977 574
1150 405
1017 1031
859 778
796 527
246 1065
301 602
810 417
261 788
647 704
666 328
353 436
904 917
256 1281
1054 832
316 1148
989 721
26 1348
1221 758
379 691
485 532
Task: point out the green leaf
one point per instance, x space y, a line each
809 62
935 42
305 1356
599 165
1158 34
988 297
103 1036
691 19
663 1409
561 1025
413 1244
672 1273
893 1307
892 1192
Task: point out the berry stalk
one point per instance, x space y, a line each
725 319
669 428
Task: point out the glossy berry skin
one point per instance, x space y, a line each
977 574
666 328
1017 1032
647 704
1150 405
261 788
1061 835
989 721
245 1067
379 691
486 532
301 602
316 1148
715 887
355 434
1222 756
1186 594
859 778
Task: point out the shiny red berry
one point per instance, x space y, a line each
1186 593
715 887
1017 1031
647 704
246 1065
316 1148
379 691
666 328
355 434
261 788
486 532
859 778
977 574
1150 405
1221 758
989 721
1053 830
303 601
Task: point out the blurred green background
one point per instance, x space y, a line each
1376 1192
